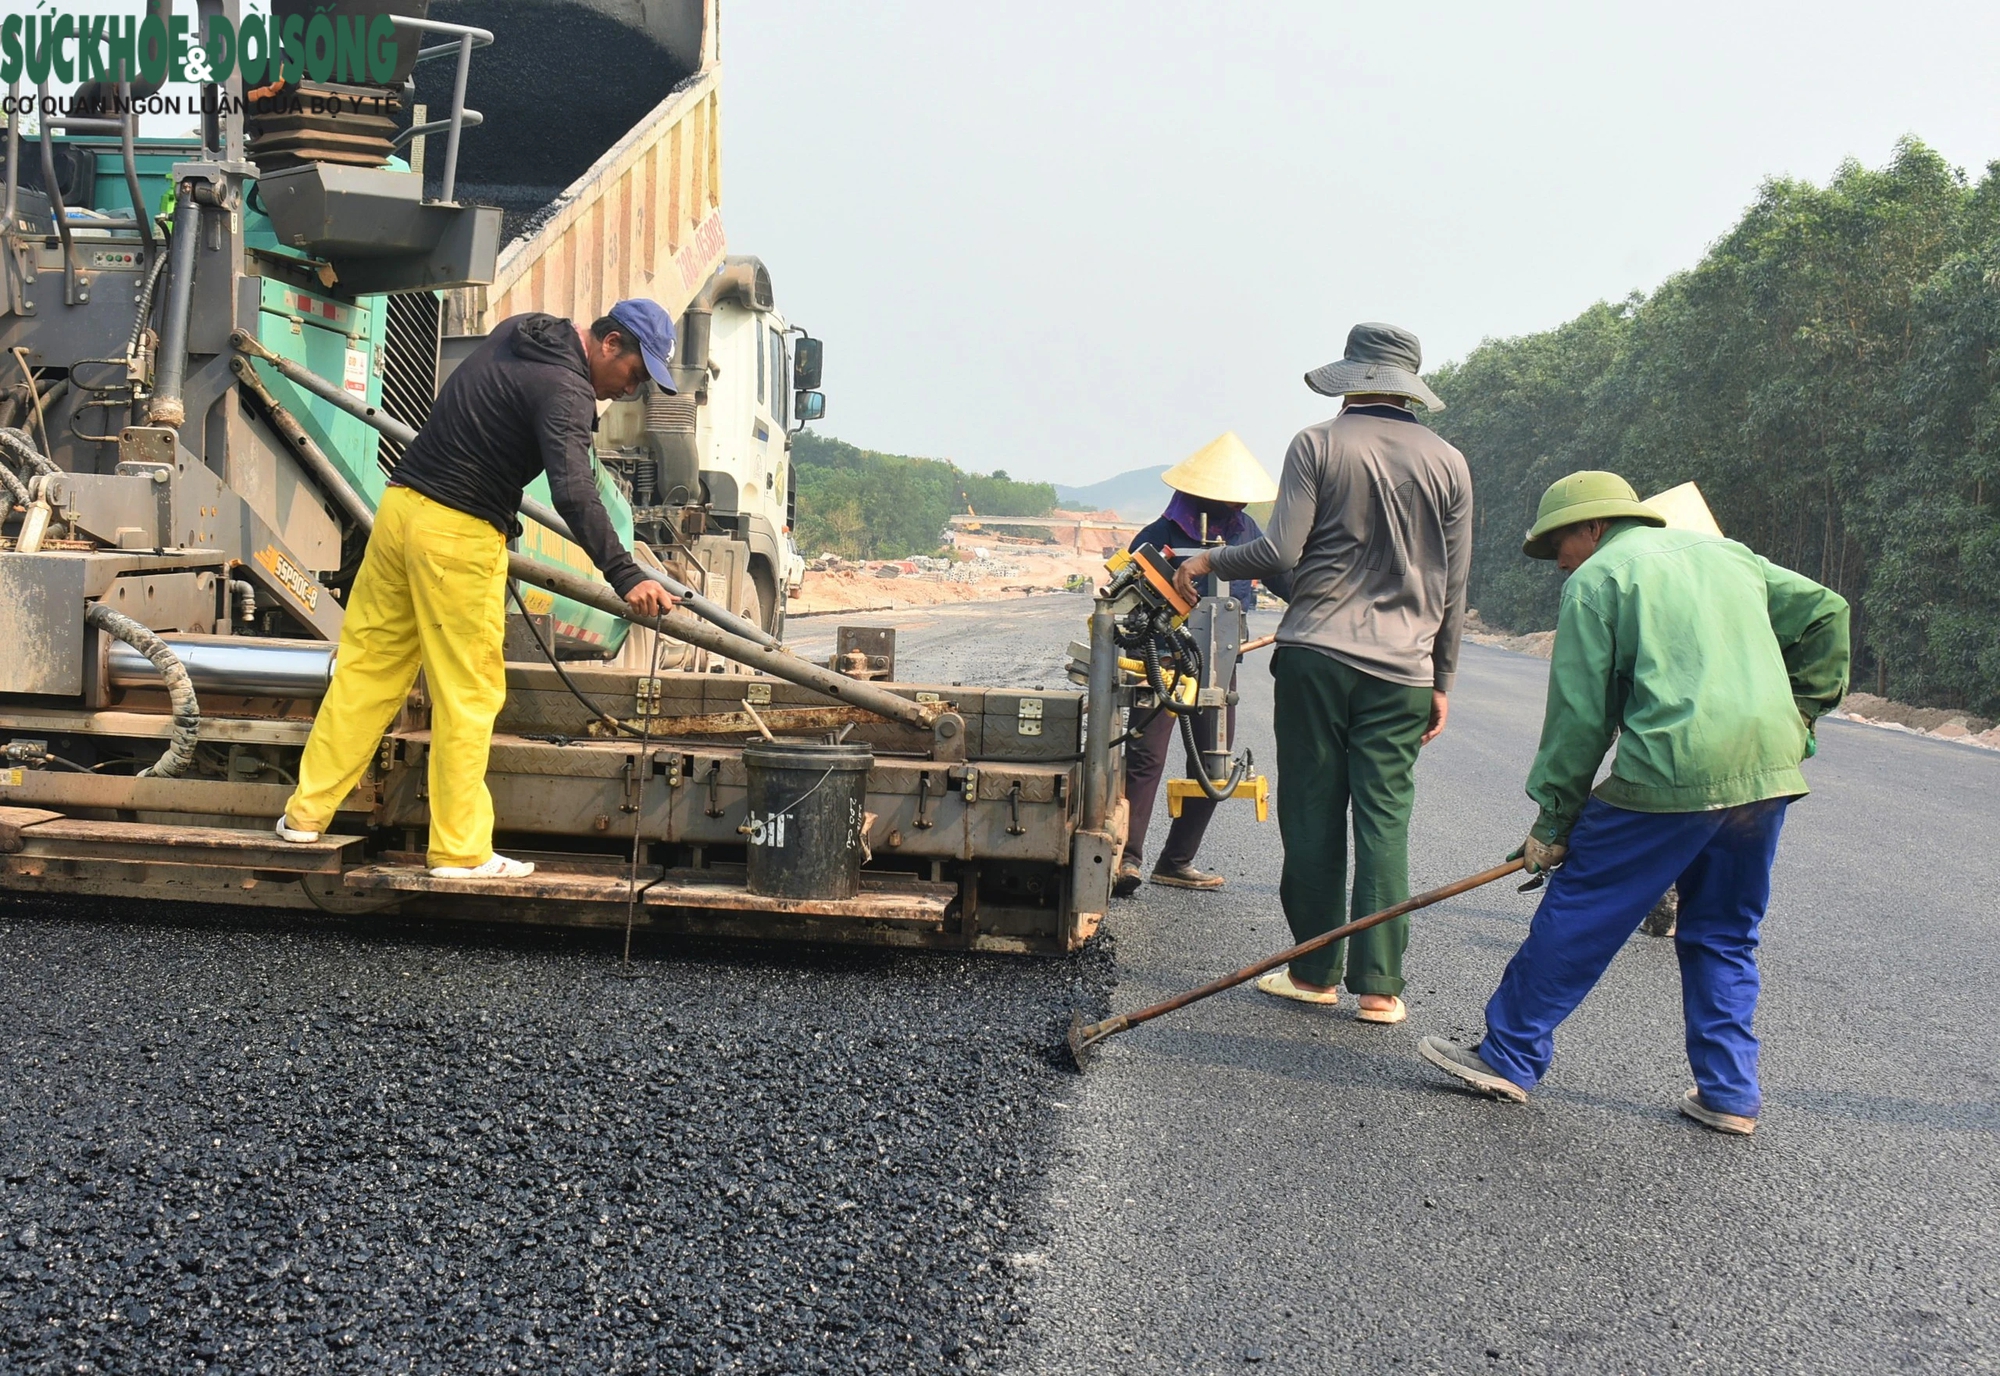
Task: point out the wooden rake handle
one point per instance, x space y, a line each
1110 1027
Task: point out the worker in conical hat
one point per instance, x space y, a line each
1211 488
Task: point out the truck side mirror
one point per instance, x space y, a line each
806 360
808 407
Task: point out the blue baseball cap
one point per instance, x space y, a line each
654 329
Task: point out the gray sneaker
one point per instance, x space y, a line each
1464 1063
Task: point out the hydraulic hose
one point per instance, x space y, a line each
21 445
145 312
1236 773
11 480
180 689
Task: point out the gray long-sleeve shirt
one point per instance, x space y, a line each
1374 523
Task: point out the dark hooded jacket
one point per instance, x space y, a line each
522 404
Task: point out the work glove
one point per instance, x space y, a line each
1540 855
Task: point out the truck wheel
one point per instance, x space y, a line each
750 606
770 601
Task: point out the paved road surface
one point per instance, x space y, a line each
1253 1182
237 1143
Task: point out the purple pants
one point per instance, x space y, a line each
1145 765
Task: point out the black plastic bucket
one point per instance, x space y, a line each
804 826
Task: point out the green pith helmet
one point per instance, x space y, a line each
1586 496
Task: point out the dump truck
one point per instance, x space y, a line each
218 347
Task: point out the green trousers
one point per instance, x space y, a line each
1345 738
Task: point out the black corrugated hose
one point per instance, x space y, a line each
180 689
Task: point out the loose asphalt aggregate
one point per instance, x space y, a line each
244 1142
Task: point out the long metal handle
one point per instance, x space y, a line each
539 512
308 450
704 607
792 669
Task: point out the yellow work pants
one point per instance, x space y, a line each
432 593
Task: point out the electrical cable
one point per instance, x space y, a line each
20 353
639 807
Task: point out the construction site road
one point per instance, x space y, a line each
246 1142
1263 1183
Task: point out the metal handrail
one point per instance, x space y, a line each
125 127
473 119
468 39
127 140
54 193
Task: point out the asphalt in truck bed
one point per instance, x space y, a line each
240 1142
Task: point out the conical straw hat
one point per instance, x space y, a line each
1684 509
1222 471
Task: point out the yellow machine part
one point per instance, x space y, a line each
1256 787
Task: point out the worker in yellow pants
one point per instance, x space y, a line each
432 593
432 589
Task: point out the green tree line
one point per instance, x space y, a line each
1829 373
865 505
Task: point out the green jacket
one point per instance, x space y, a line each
1708 662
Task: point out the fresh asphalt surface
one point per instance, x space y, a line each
1253 1182
234 1142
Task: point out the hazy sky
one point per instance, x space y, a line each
1068 240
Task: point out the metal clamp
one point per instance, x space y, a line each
714 808
646 698
923 821
1014 827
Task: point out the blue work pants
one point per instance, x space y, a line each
1619 864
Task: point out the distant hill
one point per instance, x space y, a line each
1137 496
867 505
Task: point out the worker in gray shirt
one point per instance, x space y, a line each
1373 522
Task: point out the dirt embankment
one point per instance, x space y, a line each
888 585
1945 723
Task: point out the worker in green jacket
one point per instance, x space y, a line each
1709 665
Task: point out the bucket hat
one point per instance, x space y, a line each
1223 470
1379 358
1585 496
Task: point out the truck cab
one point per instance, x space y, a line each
709 470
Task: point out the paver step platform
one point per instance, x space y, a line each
39 833
883 897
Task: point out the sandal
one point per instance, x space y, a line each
1396 1012
1279 984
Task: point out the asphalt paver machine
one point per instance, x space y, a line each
195 428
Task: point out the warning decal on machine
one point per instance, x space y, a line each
355 379
290 576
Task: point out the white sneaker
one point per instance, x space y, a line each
496 867
287 832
